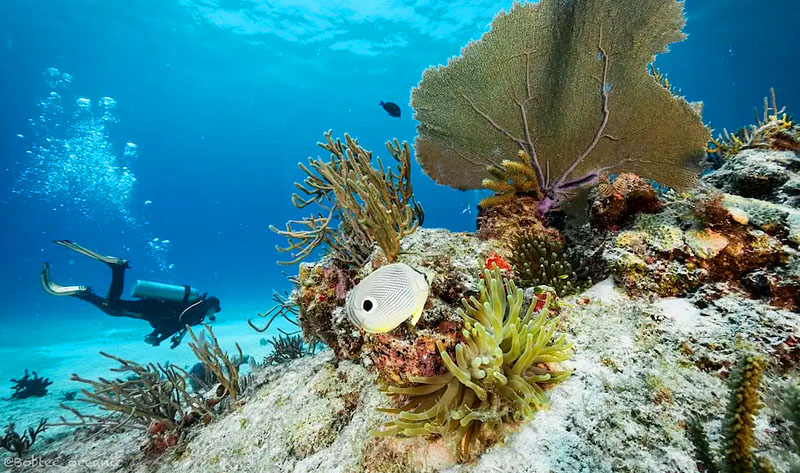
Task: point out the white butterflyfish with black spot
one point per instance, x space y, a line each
387 297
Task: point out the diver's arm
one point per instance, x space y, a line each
177 338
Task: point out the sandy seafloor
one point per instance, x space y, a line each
57 347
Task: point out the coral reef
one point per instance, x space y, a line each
773 130
642 369
501 369
286 348
578 102
321 288
150 394
614 202
451 262
217 361
705 237
539 260
773 176
368 205
28 386
505 221
19 444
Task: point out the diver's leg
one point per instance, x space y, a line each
111 260
115 289
93 299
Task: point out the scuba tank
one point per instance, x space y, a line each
164 292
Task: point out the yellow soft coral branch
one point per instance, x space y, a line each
512 179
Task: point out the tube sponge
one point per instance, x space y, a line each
497 375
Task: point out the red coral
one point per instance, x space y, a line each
541 299
496 260
159 439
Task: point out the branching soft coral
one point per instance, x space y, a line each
19 444
151 393
362 205
772 130
224 367
510 179
498 374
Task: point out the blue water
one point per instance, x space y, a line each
222 98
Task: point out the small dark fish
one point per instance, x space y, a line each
391 108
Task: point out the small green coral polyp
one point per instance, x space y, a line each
498 375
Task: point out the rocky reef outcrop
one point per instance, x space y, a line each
773 176
642 370
712 235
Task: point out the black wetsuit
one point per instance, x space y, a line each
168 318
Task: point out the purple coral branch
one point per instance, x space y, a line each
557 194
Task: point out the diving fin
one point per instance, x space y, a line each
56 289
92 254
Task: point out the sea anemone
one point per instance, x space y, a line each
497 376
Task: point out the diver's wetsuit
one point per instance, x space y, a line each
164 316
168 318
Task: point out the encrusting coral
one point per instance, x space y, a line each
498 374
540 260
566 84
362 205
616 200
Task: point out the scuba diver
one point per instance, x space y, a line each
169 308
